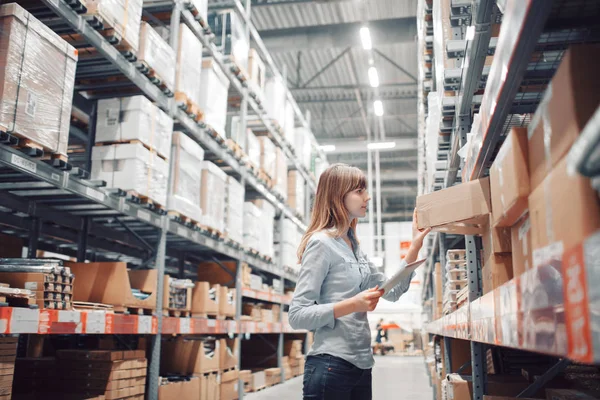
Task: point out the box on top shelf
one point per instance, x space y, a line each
568 103
302 146
522 255
461 209
230 36
124 16
253 149
257 71
564 211
213 95
205 299
212 196
509 179
296 191
275 99
132 167
37 78
156 54
186 154
134 118
188 85
267 227
268 156
280 180
235 210
496 271
289 122
252 223
495 240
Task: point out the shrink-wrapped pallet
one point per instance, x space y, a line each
268 156
186 154
275 99
296 191
230 36
134 118
280 180
234 210
156 54
124 16
189 67
252 222
266 228
212 196
37 71
213 95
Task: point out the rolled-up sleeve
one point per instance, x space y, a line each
305 310
376 278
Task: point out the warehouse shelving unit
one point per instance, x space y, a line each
55 207
543 311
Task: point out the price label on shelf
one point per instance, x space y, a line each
95 322
93 193
144 324
211 323
23 163
184 325
144 215
181 231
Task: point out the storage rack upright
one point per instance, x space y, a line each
513 85
55 207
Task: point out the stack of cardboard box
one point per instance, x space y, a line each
157 56
121 16
212 196
252 223
280 180
213 95
228 368
296 192
234 210
188 75
268 157
293 350
186 177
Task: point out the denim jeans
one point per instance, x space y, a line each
330 378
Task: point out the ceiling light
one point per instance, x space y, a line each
365 38
381 145
470 33
327 148
378 108
373 77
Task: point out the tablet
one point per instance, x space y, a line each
401 275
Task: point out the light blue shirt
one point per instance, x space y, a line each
332 272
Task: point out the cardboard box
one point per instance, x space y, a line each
570 100
497 271
268 156
566 394
522 253
280 180
257 70
229 350
439 288
509 179
495 240
188 356
213 95
258 381
124 16
209 387
296 191
564 211
157 54
36 80
272 376
226 302
188 74
461 209
202 303
212 196
186 154
111 283
457 388
234 215
185 390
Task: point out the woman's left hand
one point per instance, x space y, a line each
418 234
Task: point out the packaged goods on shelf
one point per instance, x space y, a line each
496 271
438 295
522 253
226 302
456 255
272 376
256 282
461 209
495 240
212 196
289 122
268 156
213 95
267 227
199 8
258 381
246 274
189 356
38 71
179 388
296 191
564 211
9 354
228 387
568 103
293 350
234 210
275 99
123 16
253 150
111 283
252 311
230 37
134 119
186 181
188 85
245 378
228 353
287 232
132 167
257 71
303 146
157 55
178 294
280 180
252 223
509 179
205 299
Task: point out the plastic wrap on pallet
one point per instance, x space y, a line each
268 156
289 122
230 36
473 147
212 196
275 99
235 210
296 191
189 66
253 148
280 180
134 118
267 227
303 146
157 54
38 74
131 167
252 223
432 136
257 71
213 95
235 132
186 154
289 234
124 16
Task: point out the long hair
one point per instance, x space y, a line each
329 211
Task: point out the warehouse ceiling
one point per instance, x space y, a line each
317 45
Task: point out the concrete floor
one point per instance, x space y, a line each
394 377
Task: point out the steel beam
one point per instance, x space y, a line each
395 64
325 68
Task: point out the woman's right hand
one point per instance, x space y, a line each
367 300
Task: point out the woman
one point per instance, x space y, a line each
336 288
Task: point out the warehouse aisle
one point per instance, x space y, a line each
393 377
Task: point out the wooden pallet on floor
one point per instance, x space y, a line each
187 105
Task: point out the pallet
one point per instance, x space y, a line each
225 317
190 108
137 198
82 305
263 176
212 232
182 219
154 77
133 310
235 149
29 146
172 312
239 71
205 315
233 243
214 134
258 389
133 141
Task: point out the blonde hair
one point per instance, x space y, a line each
329 210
